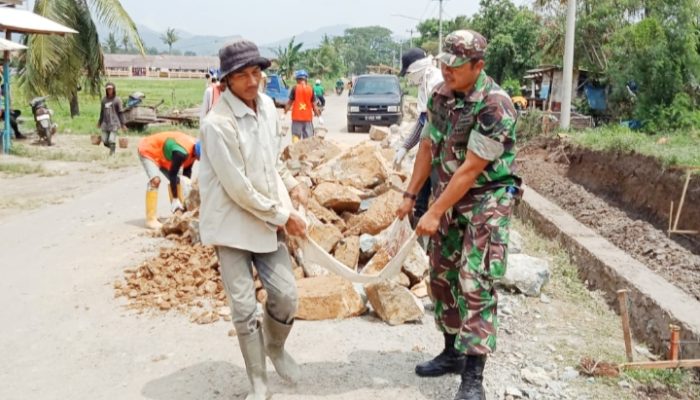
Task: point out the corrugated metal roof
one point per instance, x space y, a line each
22 21
161 61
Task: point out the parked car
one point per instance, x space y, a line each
277 89
375 100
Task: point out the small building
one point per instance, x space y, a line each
545 87
159 66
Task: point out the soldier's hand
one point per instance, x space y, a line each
405 208
295 225
428 224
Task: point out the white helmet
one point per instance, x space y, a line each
318 81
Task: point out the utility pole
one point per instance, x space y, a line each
440 28
565 118
410 31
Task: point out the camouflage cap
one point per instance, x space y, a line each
462 46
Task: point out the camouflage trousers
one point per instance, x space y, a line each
466 254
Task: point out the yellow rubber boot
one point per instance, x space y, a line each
181 193
152 210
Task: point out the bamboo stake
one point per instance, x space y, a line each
694 363
680 206
670 220
624 314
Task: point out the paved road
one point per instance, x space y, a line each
64 336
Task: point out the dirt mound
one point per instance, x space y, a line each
545 166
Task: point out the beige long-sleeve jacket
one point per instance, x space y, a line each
244 186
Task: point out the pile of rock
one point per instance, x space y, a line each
354 195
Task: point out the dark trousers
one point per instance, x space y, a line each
421 205
13 121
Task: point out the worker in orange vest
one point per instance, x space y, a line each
167 152
302 102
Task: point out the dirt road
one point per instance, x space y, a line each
64 336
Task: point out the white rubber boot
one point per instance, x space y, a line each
275 336
253 351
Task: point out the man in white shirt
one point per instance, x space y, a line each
420 70
246 210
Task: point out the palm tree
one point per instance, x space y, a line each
111 44
169 38
125 43
60 65
288 57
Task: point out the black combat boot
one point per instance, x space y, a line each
472 387
112 148
449 361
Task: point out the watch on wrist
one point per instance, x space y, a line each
408 195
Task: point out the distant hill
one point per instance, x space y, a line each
205 45
310 39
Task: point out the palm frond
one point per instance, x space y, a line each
112 14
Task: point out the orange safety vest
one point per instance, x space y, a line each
303 108
151 147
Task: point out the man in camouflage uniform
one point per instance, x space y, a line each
468 149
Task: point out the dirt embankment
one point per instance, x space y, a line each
640 185
610 194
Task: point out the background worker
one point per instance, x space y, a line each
418 67
211 96
166 152
111 118
319 92
302 102
468 145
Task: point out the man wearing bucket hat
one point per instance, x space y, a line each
246 209
470 157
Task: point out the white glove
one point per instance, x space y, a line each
321 121
176 206
398 158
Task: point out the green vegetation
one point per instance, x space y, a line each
677 380
674 149
176 94
60 65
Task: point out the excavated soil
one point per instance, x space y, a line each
620 198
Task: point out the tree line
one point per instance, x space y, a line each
644 52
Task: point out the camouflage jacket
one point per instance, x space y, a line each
482 121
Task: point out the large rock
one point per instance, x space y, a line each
348 251
337 197
324 215
527 274
361 166
380 215
328 297
378 133
326 235
314 151
394 303
417 263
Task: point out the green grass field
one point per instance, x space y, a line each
176 94
680 148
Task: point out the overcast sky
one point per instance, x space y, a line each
266 21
